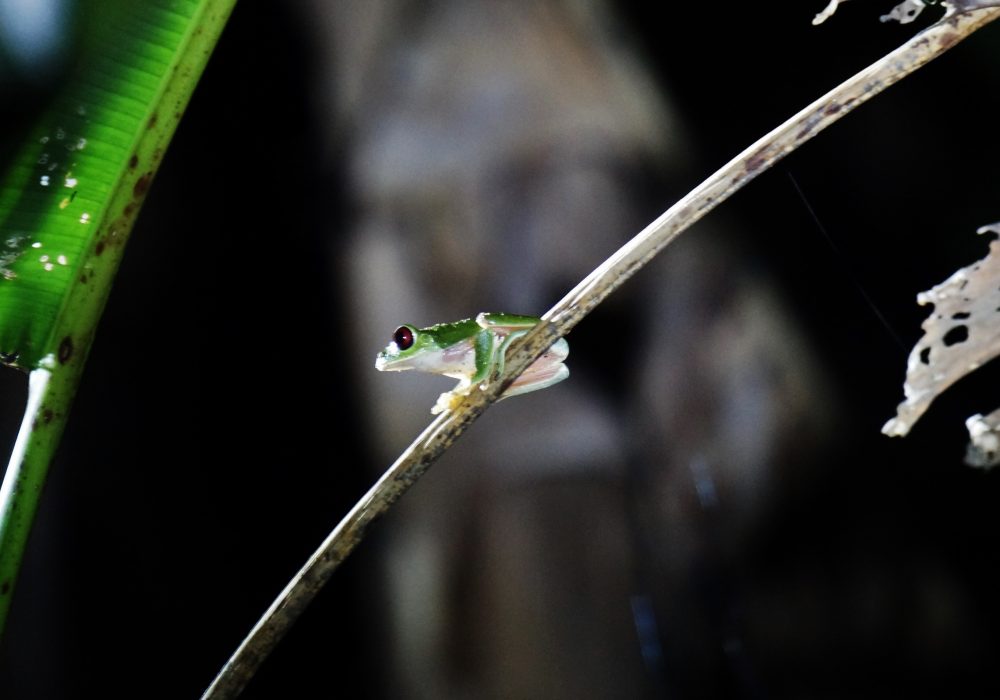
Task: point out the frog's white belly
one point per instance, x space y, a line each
458 361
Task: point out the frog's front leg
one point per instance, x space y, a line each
486 356
449 399
485 347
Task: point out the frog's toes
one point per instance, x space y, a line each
446 402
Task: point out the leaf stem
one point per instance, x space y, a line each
49 397
559 320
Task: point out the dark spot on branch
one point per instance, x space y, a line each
65 350
47 416
756 161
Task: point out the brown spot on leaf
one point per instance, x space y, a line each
133 162
65 350
47 416
99 248
129 209
152 120
142 185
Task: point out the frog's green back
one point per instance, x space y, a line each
506 320
447 334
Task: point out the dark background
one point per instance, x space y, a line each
216 439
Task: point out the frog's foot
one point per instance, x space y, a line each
447 401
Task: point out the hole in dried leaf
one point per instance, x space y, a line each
961 315
925 356
958 334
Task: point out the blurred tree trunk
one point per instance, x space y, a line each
496 153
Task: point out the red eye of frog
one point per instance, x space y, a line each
403 337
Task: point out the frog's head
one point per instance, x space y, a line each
407 346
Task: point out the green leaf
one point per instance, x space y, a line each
72 194
67 206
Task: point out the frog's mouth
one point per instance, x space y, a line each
382 362
389 360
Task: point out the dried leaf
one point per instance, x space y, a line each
906 11
962 334
984 440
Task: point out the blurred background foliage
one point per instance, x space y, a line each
706 509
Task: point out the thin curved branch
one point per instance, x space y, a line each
559 320
971 5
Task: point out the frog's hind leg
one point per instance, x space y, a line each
557 353
502 351
486 356
543 372
534 379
